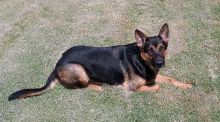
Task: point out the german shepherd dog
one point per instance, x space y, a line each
135 66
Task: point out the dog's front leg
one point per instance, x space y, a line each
149 88
161 78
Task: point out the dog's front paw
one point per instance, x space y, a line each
185 86
156 88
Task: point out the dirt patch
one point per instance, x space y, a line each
108 22
212 67
177 36
4 28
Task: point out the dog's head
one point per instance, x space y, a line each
153 49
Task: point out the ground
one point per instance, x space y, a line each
34 33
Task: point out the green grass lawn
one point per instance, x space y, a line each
34 33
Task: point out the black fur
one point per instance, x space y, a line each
110 64
106 64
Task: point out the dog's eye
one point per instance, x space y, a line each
150 50
161 49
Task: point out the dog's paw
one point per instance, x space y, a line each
185 86
156 88
149 88
95 87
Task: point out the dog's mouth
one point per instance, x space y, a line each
155 66
159 62
158 66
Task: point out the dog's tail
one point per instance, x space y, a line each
51 81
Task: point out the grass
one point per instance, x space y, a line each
33 35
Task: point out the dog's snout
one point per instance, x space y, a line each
159 62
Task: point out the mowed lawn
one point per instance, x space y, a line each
35 33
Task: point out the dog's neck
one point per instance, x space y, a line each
140 67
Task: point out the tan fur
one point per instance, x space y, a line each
52 85
147 58
149 88
133 82
72 75
161 78
95 87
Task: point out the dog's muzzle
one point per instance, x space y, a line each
159 62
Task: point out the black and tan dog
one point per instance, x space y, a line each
135 66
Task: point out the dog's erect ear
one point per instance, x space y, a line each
164 33
140 38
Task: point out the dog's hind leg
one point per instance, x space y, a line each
75 76
95 87
161 78
72 76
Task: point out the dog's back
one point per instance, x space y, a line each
101 63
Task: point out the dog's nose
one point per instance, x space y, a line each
159 61
159 64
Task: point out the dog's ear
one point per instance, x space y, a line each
140 38
164 33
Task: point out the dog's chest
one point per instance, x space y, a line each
134 81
